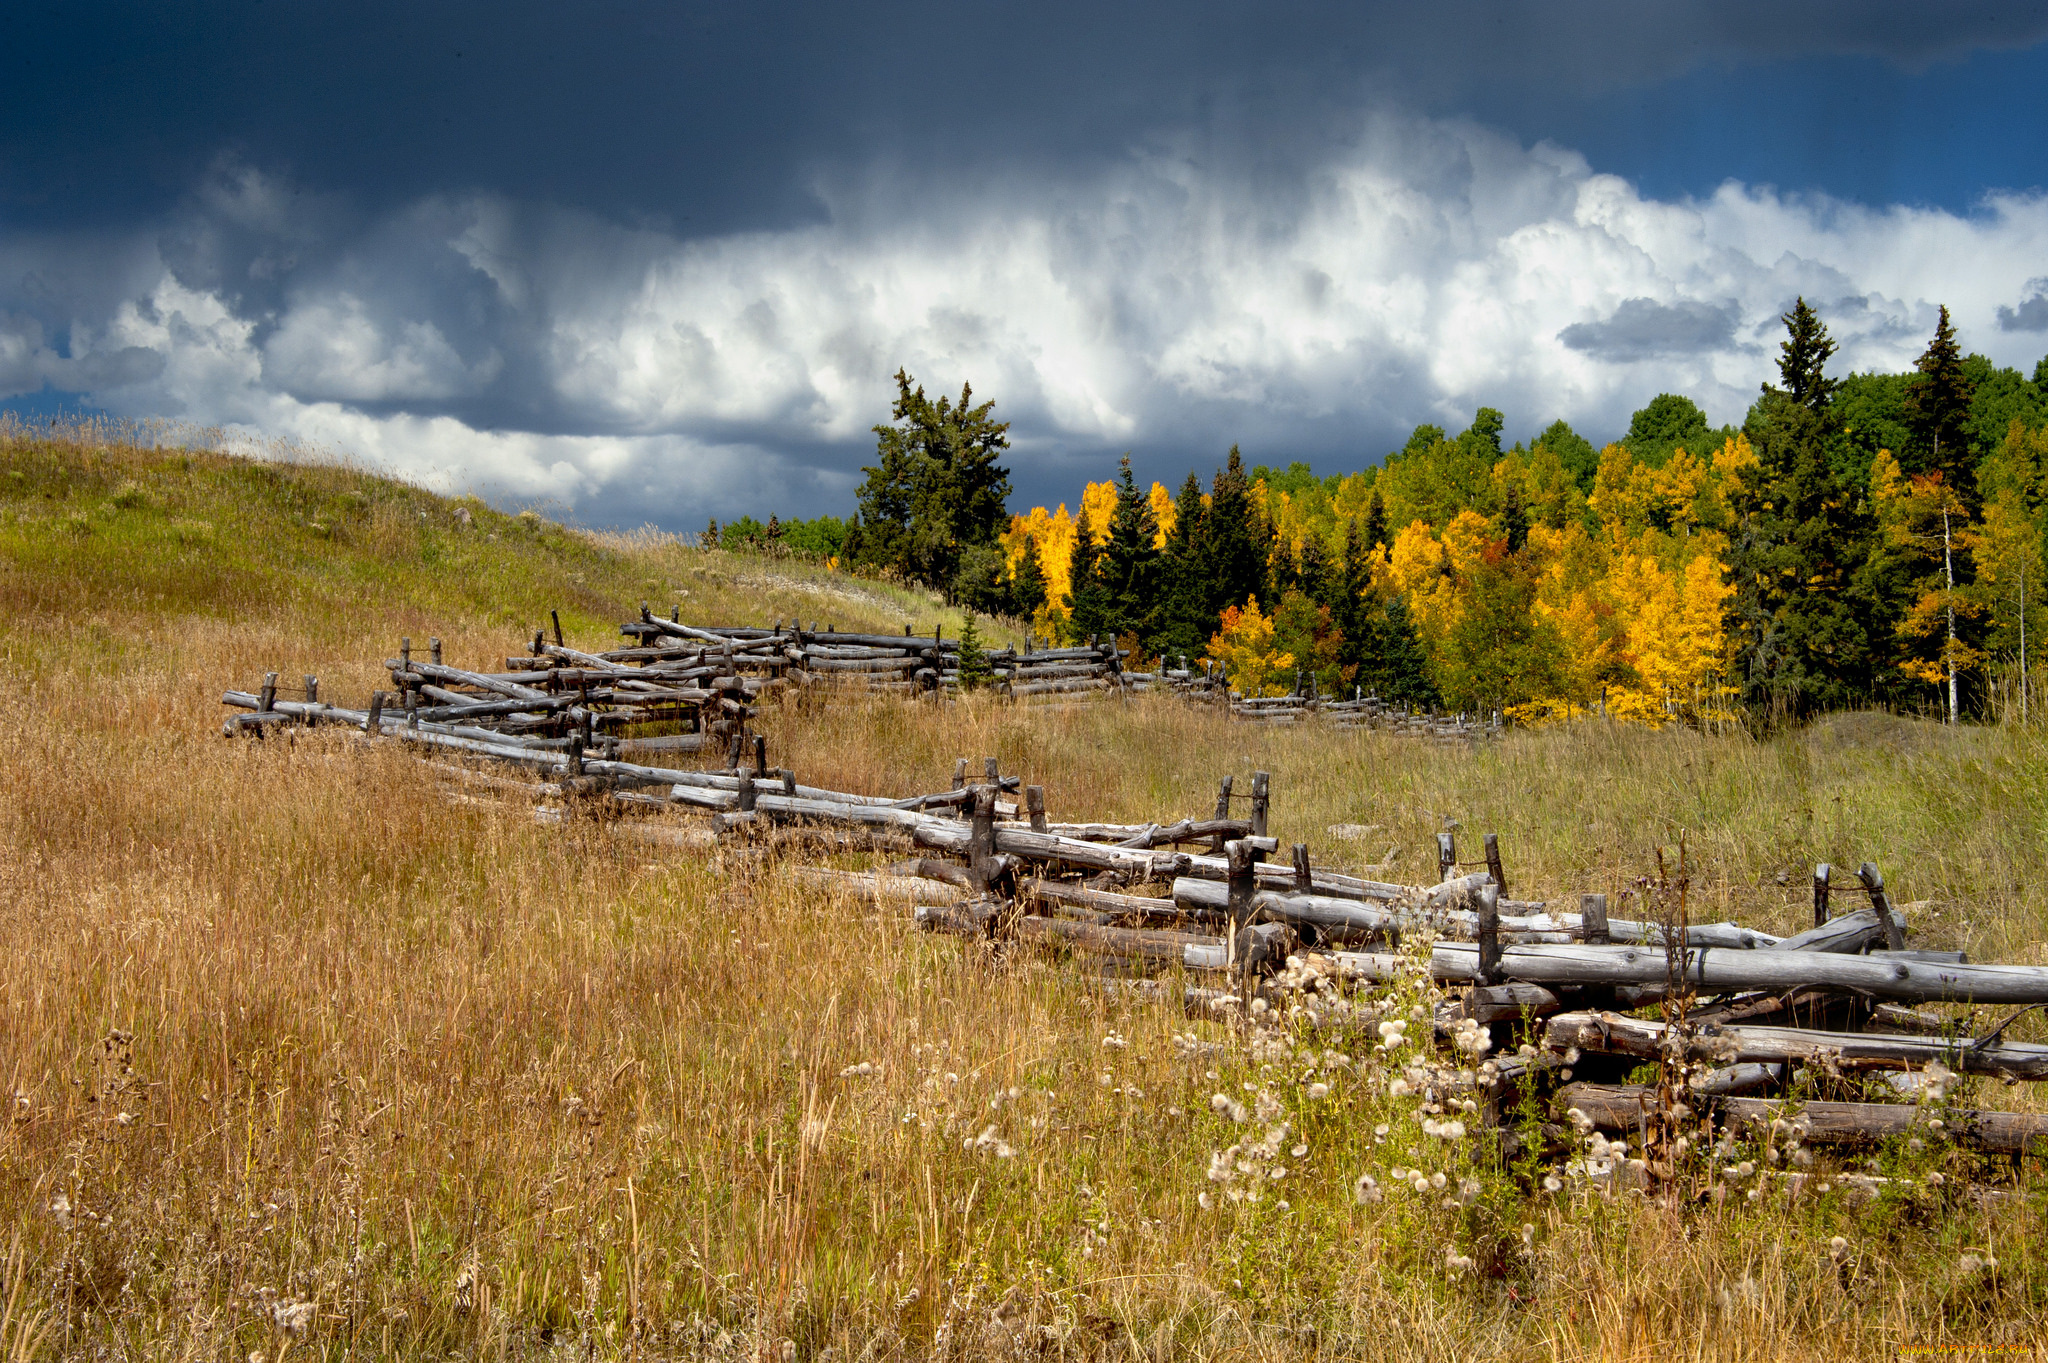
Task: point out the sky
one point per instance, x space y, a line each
658 261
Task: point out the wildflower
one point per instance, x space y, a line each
1298 1151
1381 1130
1456 1262
1225 1105
292 1316
1438 1181
1969 1264
1366 1189
1838 1247
1205 1202
865 1067
60 1207
1528 1234
1114 1042
1552 1183
1399 1089
1318 1090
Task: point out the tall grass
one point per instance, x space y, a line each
307 1052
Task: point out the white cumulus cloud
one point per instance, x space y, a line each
1418 269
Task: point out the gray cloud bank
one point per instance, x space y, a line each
1172 302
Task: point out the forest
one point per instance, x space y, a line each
1873 539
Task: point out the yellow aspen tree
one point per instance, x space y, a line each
1245 646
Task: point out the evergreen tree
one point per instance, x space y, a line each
1809 585
1802 359
1312 570
1234 544
1938 410
1090 608
935 488
1397 670
1352 609
1027 582
708 539
1375 524
1514 520
1184 622
975 672
1130 561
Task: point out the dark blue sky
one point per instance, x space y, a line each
653 258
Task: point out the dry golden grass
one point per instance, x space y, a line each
305 1056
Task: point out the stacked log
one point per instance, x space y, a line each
1748 1021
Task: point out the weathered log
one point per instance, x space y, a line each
1733 971
1101 901
1189 950
482 681
1505 1003
1626 1107
1339 919
1848 934
869 885
1856 1123
1616 1034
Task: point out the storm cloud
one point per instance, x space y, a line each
565 280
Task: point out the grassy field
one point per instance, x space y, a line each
305 1055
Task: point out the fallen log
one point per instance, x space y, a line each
1726 971
1101 901
1613 1033
1189 950
1627 1107
1849 934
872 885
1339 919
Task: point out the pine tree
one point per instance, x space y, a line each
1130 561
1803 357
1353 610
709 538
1375 522
1185 623
1312 570
935 488
1809 587
1398 669
1089 605
1938 409
975 672
1027 582
1514 520
1234 545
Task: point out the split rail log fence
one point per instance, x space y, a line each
1759 1020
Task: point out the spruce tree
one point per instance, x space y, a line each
975 672
1352 610
1514 520
1312 570
1233 544
1089 606
1184 623
1809 602
1375 523
1802 359
1938 409
1398 670
1130 561
1027 581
